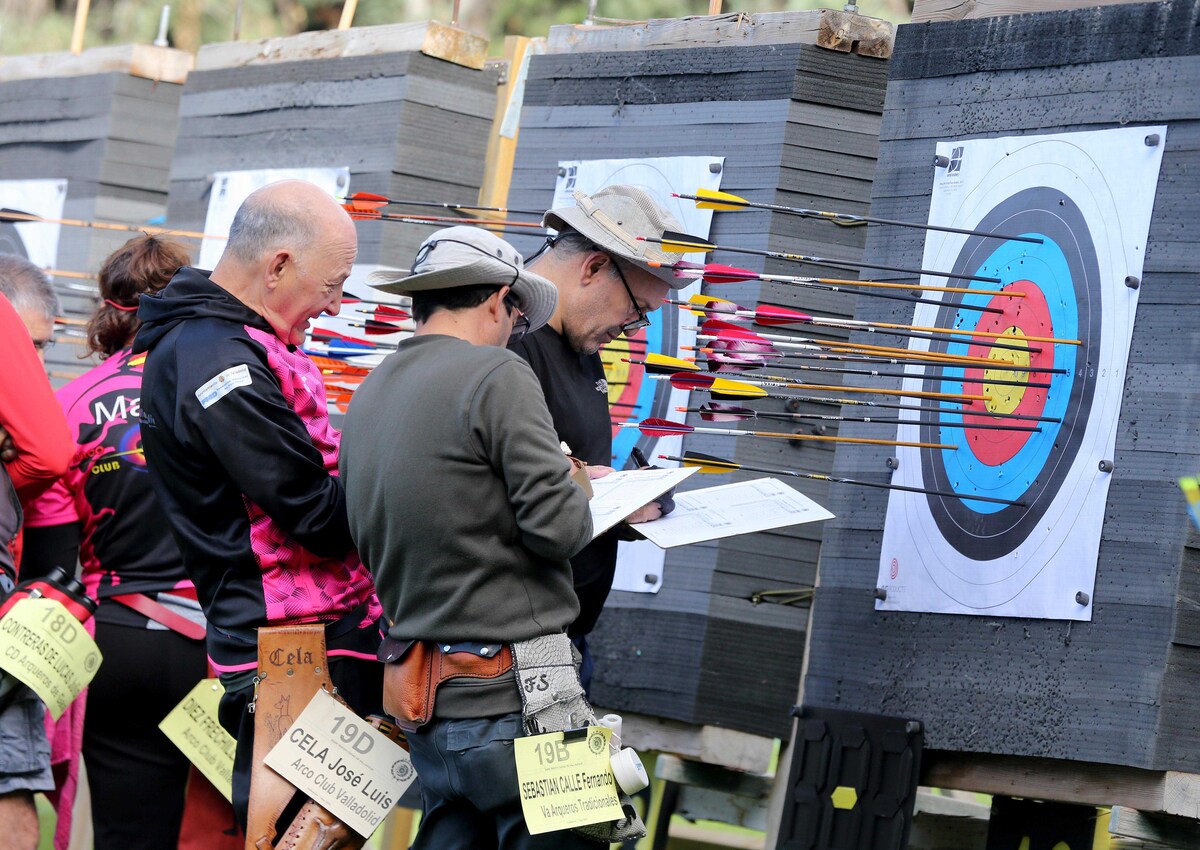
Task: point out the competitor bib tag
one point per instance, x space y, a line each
342 762
48 649
566 783
193 727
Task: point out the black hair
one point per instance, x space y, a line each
428 302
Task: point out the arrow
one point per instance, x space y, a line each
706 380
367 201
15 216
374 327
740 362
770 315
661 364
718 412
326 335
715 465
717 273
674 242
724 331
667 428
351 298
499 226
731 353
707 199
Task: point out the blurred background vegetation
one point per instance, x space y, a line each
43 26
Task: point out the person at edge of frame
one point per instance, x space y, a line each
148 624
605 289
465 511
242 455
35 449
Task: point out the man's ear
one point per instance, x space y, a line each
593 266
275 266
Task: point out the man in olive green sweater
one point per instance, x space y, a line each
462 505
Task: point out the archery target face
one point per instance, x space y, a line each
36 241
1088 197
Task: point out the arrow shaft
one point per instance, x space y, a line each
9 215
878 373
848 217
814 476
870 420
776 435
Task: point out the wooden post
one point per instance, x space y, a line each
714 7
348 10
82 7
498 165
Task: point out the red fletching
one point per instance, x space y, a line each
691 380
717 273
663 427
389 312
717 412
769 315
374 327
718 327
364 202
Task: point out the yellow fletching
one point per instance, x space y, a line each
705 300
683 247
728 387
718 201
667 362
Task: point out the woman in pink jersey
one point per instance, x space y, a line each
149 626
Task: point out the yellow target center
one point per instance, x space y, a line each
1008 364
616 371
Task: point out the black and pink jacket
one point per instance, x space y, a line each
241 452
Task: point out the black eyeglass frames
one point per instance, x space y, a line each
642 319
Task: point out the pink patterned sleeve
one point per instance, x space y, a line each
54 507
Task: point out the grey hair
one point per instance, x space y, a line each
262 225
27 287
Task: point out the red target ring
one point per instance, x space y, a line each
1019 320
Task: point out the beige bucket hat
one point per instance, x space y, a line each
467 256
613 218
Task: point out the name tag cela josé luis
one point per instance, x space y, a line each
342 762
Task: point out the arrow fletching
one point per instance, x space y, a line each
674 242
708 199
659 427
662 364
706 463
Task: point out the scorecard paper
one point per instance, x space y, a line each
732 509
618 494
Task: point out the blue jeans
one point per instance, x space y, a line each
469 789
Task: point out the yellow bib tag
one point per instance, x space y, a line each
565 784
193 727
45 647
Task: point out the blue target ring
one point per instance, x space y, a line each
1066 271
1013 261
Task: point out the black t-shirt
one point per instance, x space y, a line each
577 396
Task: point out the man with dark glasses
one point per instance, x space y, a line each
606 289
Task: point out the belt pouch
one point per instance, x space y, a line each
410 683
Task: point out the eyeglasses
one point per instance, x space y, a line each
642 320
521 325
43 344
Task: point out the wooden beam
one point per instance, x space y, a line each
710 744
161 64
1166 792
502 140
826 27
957 10
428 37
1159 829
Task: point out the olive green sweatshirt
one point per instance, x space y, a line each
460 499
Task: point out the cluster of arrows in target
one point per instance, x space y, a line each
727 347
